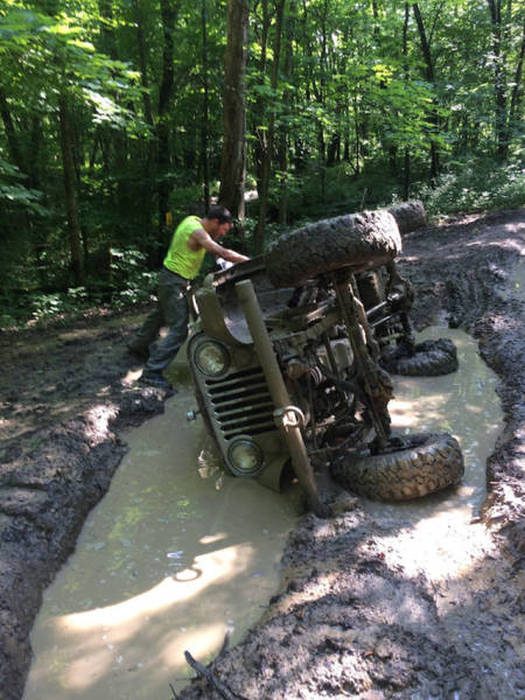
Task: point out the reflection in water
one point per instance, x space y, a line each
171 559
439 534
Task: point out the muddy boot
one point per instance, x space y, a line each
157 381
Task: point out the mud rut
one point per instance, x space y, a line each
347 621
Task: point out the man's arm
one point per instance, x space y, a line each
204 240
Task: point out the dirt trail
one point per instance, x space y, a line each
348 621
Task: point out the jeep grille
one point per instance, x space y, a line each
241 403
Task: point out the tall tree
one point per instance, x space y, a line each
430 76
502 38
233 162
268 142
70 189
406 69
284 126
168 10
205 127
500 81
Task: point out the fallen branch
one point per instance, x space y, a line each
209 676
225 645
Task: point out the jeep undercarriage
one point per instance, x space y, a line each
295 372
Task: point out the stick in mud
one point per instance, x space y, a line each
208 675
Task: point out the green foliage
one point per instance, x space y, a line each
272 231
46 306
331 191
353 107
41 307
475 185
57 56
13 193
130 282
185 200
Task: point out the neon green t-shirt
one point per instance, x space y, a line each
179 258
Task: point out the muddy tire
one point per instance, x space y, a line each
431 358
430 462
409 216
360 241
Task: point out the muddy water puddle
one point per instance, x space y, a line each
441 535
173 557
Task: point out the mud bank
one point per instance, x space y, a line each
474 272
346 622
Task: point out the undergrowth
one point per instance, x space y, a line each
473 185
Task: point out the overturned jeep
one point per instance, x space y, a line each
287 365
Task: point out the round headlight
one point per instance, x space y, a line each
212 358
245 457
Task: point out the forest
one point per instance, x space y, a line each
119 117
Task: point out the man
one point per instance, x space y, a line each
192 238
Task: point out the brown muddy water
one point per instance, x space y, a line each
441 535
176 554
173 557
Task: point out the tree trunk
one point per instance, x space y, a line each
233 161
430 76
283 131
10 132
143 63
169 11
205 168
148 152
259 111
518 75
502 136
357 137
406 158
70 189
267 155
516 90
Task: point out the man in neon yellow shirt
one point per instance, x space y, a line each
192 238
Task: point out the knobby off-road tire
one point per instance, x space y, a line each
409 216
431 462
359 241
431 358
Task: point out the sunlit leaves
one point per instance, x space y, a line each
59 54
13 192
